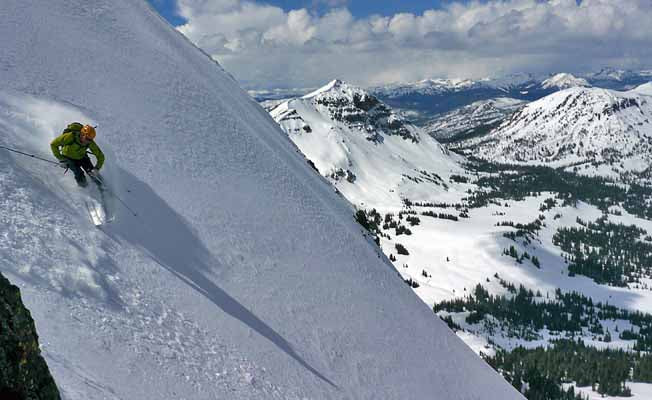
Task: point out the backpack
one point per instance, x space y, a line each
74 127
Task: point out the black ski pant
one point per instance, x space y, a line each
78 167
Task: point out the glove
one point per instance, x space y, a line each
63 164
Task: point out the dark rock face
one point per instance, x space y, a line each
340 174
24 375
366 113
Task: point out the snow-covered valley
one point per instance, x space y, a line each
477 224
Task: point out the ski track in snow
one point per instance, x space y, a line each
42 209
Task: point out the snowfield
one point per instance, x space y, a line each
639 391
448 258
456 255
243 275
580 128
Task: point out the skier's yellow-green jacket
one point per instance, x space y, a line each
72 148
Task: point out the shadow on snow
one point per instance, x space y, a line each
168 239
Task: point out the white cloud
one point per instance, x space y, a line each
335 27
297 29
264 46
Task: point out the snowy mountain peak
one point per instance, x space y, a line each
363 146
564 81
575 126
356 109
335 84
337 89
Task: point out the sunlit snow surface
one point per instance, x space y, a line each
641 391
449 258
580 128
564 81
243 276
457 254
386 167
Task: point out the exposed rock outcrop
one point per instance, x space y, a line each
23 371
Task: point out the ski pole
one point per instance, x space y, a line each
57 164
123 203
29 155
112 193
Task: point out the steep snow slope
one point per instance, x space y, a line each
371 154
242 277
577 126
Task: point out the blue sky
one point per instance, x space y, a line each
167 9
359 8
363 8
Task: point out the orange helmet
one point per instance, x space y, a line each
88 132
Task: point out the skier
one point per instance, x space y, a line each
70 149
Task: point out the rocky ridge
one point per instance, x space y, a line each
23 371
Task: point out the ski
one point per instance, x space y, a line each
94 214
107 214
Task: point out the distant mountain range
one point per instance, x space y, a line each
602 131
424 100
